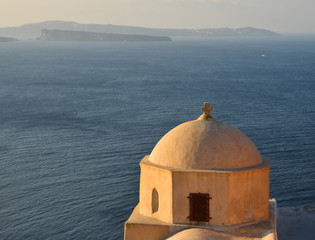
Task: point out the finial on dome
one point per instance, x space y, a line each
207 109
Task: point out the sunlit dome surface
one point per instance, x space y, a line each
200 234
205 143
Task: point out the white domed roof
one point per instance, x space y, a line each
205 143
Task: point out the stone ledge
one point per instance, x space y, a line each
139 227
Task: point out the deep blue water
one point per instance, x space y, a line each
76 119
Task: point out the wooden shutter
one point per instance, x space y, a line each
199 207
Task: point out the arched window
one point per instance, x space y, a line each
155 200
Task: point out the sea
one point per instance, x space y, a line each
76 118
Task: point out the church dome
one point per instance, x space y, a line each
200 234
205 144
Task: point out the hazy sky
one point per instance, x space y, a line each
276 15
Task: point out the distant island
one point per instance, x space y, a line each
61 35
33 30
7 39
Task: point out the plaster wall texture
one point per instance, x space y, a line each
152 177
202 234
238 196
205 144
248 196
145 232
205 234
216 184
139 227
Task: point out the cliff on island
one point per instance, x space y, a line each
33 30
60 35
7 39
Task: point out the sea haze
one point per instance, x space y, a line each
76 119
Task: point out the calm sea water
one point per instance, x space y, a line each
76 119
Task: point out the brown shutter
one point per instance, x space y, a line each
199 207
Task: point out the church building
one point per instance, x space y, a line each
203 180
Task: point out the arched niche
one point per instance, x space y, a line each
155 200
